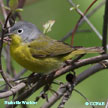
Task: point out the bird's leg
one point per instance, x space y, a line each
46 87
68 62
32 78
43 93
57 82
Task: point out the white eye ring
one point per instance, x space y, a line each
20 31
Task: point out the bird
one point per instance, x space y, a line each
39 53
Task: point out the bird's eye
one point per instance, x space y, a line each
20 31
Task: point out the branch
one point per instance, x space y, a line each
106 104
83 97
82 15
56 96
9 66
20 73
105 28
81 22
3 10
6 18
81 77
1 23
92 70
12 91
94 10
62 91
4 30
66 96
21 3
81 63
58 73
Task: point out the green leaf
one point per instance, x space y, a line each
72 8
13 4
48 26
75 7
7 8
19 10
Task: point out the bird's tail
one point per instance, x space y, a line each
89 50
82 50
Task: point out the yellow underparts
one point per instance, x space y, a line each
21 53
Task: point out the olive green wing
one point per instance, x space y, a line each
47 47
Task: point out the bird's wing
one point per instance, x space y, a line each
47 47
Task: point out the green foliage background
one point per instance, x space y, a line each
94 88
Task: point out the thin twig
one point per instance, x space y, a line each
91 25
3 10
77 25
92 70
87 73
106 106
20 73
90 6
66 95
94 10
13 90
60 72
85 31
77 58
1 70
83 96
4 30
1 23
83 20
21 3
6 25
71 67
105 28
9 67
81 63
56 96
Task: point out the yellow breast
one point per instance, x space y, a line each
21 53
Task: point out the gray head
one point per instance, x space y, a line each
26 30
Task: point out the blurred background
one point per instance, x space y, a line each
95 88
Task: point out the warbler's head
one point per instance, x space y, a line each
24 31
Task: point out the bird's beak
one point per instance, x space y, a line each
6 40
